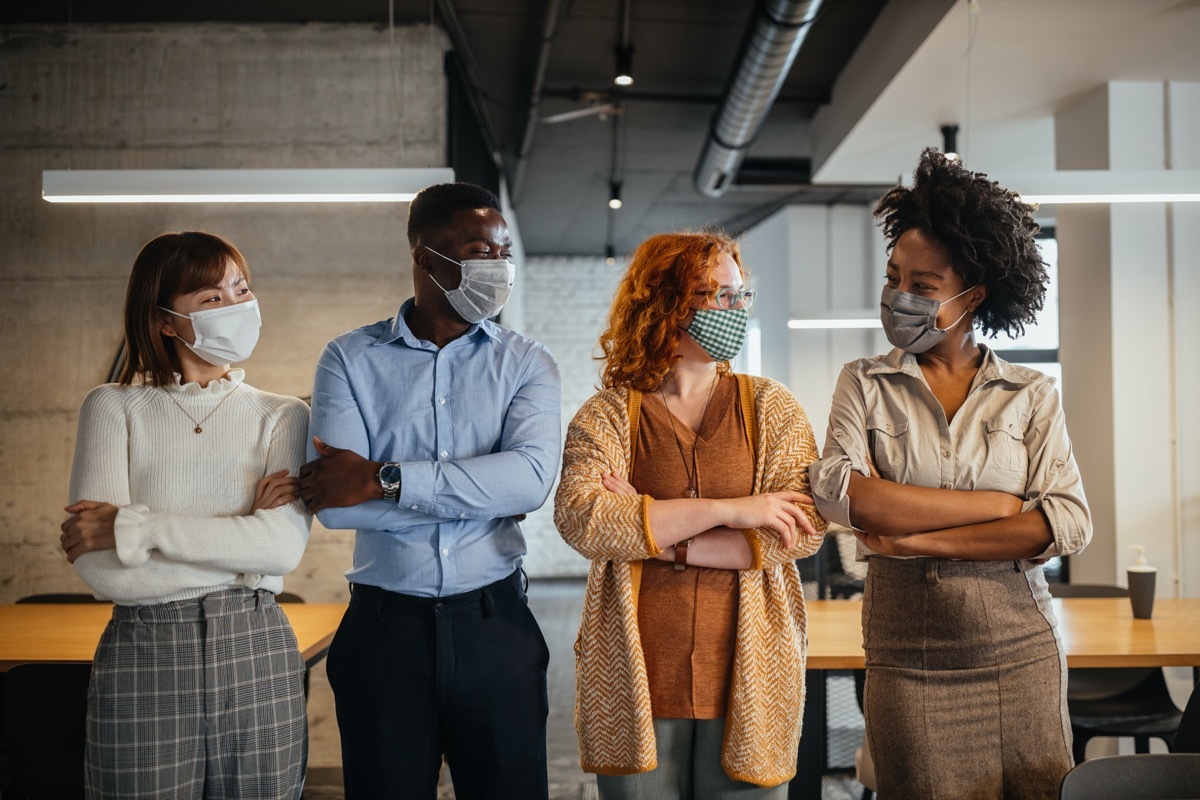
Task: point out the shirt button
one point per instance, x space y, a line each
444 454
442 400
446 552
413 507
462 513
947 485
945 454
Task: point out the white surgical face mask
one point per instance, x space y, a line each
224 335
484 288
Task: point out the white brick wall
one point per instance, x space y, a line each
566 302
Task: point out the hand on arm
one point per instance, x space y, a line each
274 490
338 478
720 523
1023 535
886 508
88 529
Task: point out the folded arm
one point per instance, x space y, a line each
513 480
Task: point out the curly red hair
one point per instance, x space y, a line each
655 295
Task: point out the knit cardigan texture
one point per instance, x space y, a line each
612 708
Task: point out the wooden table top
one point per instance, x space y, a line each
1096 632
69 632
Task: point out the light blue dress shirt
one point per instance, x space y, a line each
475 427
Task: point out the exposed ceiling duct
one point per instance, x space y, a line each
777 31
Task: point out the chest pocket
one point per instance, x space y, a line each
1005 436
888 440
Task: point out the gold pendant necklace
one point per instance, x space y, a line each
200 423
693 475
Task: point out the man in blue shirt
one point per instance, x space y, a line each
433 432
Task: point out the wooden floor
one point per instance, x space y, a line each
557 605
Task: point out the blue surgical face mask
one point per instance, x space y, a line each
910 321
483 289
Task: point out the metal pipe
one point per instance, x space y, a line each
770 49
549 30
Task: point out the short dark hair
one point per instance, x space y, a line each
169 265
434 207
987 230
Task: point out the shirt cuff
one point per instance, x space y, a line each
132 532
416 485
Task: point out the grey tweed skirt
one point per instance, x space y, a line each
966 693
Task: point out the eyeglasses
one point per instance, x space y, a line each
729 298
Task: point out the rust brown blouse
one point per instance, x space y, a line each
688 618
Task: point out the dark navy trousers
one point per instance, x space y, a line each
419 678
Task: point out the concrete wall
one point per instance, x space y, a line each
191 96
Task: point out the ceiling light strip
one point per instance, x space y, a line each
239 185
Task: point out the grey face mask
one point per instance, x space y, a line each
910 321
483 289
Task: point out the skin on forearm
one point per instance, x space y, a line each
675 520
1025 535
887 508
718 548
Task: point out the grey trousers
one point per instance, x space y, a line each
966 681
197 699
689 768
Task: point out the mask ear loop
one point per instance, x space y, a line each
960 316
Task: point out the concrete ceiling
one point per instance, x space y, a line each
1000 73
870 87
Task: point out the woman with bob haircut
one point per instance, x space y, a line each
184 513
685 485
956 471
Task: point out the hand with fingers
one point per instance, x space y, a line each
338 478
275 490
89 528
779 511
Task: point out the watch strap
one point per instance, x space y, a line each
681 553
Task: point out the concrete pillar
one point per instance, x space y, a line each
814 259
1124 372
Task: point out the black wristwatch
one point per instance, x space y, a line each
389 480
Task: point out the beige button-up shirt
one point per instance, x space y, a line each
1009 436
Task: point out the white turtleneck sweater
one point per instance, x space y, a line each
184 528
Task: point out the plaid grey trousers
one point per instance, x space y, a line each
199 698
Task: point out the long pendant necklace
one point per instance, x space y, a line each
200 423
693 474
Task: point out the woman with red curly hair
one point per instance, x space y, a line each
686 486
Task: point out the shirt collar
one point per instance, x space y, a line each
993 367
398 329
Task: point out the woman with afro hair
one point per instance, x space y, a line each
955 471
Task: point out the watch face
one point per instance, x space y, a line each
389 474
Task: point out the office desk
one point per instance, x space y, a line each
68 633
1096 632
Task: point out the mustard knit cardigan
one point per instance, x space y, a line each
612 707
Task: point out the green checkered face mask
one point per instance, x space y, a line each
721 332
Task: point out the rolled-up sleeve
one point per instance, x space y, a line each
846 449
1055 485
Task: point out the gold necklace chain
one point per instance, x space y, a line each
693 476
200 423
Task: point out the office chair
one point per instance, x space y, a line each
1187 740
45 714
1158 776
1117 701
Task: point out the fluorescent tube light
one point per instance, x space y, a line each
1105 186
239 185
834 323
